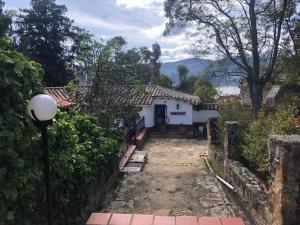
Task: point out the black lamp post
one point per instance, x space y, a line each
42 109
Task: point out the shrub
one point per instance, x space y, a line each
255 148
80 153
233 111
20 170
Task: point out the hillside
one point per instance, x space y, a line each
202 67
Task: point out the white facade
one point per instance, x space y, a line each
190 116
202 116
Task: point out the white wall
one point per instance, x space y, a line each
203 115
187 119
148 113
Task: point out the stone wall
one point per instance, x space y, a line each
285 178
279 204
251 192
98 190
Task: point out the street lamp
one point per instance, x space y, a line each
42 109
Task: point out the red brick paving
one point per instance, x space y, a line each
232 221
140 219
164 220
120 219
99 219
210 221
186 220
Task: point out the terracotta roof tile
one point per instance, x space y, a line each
65 99
61 96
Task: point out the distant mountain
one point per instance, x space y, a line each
213 70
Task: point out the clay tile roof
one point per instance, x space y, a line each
155 91
65 99
60 95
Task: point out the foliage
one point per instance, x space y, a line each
233 111
283 121
289 66
182 72
156 64
255 148
205 90
249 33
5 22
114 82
186 82
164 81
20 170
43 31
80 153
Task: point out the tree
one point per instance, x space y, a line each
205 90
247 32
114 85
182 72
84 55
156 53
289 62
43 34
5 22
164 81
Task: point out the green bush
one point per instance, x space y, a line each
254 133
233 111
80 153
20 167
255 148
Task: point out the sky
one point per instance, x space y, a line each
141 22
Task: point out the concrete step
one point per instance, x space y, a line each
135 163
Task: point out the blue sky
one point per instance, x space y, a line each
141 22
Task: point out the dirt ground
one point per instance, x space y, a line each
175 181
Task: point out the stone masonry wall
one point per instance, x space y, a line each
280 203
251 192
285 176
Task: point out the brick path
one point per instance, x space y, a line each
175 182
141 219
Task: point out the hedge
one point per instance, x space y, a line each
79 151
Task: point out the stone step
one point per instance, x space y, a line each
135 163
142 219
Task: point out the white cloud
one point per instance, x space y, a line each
154 32
143 4
96 22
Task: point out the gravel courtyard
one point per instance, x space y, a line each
175 181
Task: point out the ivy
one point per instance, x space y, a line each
20 170
80 151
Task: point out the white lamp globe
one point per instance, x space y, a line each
44 107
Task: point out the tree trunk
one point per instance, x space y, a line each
256 95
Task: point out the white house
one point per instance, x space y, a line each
167 106
159 106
